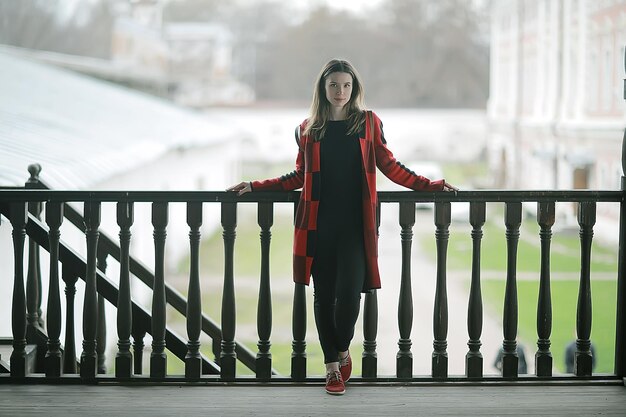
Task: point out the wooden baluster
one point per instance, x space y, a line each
193 360
583 361
54 357
543 357
89 356
228 356
473 358
404 358
440 316
265 218
158 358
216 348
298 328
139 333
370 331
513 221
101 333
33 277
35 333
369 362
124 357
620 322
18 218
69 348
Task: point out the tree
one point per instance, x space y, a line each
36 24
416 53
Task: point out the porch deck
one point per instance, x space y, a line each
310 400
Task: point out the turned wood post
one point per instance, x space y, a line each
54 357
158 358
33 277
89 356
510 359
139 333
265 219
18 217
440 314
101 331
370 324
193 360
298 330
404 357
620 333
228 356
124 357
473 358
69 353
583 360
543 357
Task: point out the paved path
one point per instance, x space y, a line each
424 276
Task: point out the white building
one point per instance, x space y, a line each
89 134
555 110
195 58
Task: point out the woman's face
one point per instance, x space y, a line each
338 89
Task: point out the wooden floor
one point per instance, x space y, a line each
359 400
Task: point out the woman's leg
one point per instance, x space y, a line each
349 284
324 277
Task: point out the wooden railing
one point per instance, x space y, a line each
134 321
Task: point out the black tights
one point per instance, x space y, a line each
338 276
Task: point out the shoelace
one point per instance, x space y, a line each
333 376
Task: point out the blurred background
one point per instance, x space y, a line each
202 53
200 94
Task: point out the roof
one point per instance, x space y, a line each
82 130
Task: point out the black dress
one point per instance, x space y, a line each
339 262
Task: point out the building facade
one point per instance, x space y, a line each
556 111
193 59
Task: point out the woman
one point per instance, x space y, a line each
340 146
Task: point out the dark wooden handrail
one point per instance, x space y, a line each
292 196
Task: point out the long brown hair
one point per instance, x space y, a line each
320 107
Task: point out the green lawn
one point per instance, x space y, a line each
565 250
564 261
564 300
247 258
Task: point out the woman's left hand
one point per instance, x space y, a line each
449 187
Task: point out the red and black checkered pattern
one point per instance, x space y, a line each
374 153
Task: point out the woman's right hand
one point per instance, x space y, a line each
241 188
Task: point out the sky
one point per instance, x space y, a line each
352 5
68 6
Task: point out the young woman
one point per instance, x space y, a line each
339 147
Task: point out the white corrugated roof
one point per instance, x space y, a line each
83 131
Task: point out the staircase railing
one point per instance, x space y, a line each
106 246
109 247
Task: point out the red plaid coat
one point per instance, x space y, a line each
374 153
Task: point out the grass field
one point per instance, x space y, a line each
564 262
564 299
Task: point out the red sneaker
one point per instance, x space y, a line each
334 383
345 367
